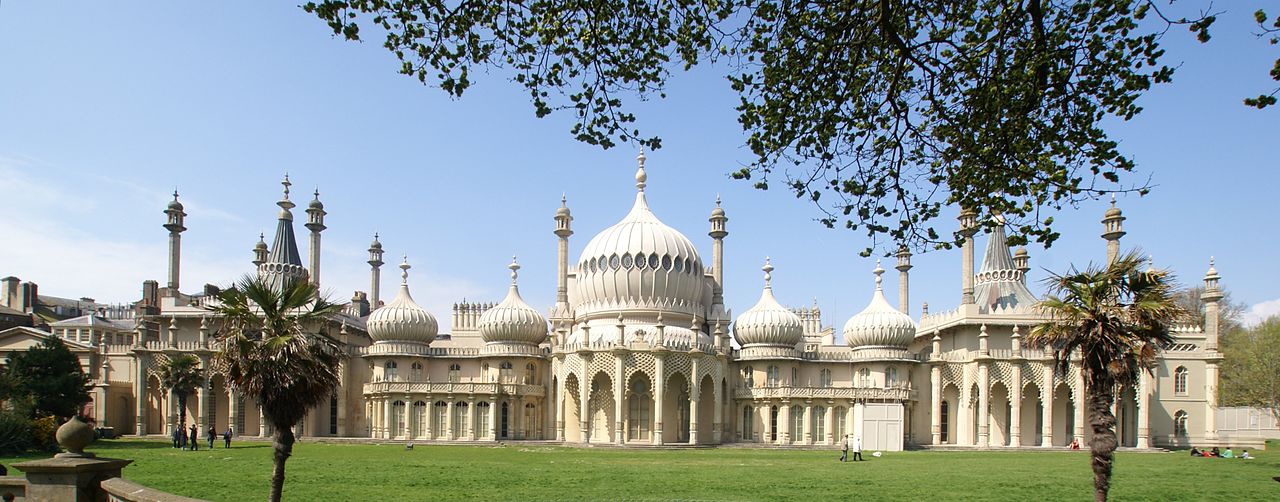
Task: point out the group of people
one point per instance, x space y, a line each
191 439
845 444
1214 453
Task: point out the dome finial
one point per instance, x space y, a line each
404 270
1113 199
285 203
175 193
515 267
641 177
564 199
878 271
1151 263
286 184
717 200
768 273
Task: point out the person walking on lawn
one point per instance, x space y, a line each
857 448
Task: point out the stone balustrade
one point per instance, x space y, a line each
820 393
456 388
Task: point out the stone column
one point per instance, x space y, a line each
408 417
561 399
202 417
619 395
1046 411
693 416
471 419
935 416
450 431
140 396
1211 400
830 424
387 432
343 430
968 228
1144 410
262 422
984 405
1079 407
233 411
493 418
1015 407
659 395
808 424
766 410
584 405
717 419
859 411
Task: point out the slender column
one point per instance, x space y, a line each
1144 410
517 418
859 411
1046 410
174 224
765 409
717 419
430 413
449 431
619 388
904 282
387 432
784 422
829 424
408 417
984 405
202 417
262 423
471 418
808 424
584 411
233 411
968 228
375 273
1079 406
1015 408
693 416
935 416
140 396
1211 400
561 399
342 402
315 223
659 395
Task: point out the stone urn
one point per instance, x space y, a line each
73 436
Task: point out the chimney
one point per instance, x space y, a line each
9 291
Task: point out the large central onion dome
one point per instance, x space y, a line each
512 321
768 329
879 325
402 320
639 263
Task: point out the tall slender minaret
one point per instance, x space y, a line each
904 280
174 225
375 261
1023 263
968 228
564 228
1212 296
718 233
315 223
260 251
1113 230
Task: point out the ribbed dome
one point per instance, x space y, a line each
402 320
513 320
879 325
768 323
639 262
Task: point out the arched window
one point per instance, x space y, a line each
420 419
440 420
504 371
1180 423
638 417
824 377
389 371
1180 381
773 376
747 419
460 416
795 377
839 419
396 420
891 377
455 372
530 420
944 420
748 377
483 409
864 377
415 373
797 424
530 374
819 424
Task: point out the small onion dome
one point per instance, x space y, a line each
262 243
879 325
375 244
1112 211
563 210
315 203
768 323
512 320
402 320
174 204
718 211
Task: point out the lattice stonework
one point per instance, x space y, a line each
951 375
572 365
677 363
1002 371
640 362
1033 373
600 362
708 367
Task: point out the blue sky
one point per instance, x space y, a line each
105 108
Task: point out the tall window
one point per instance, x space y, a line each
420 419
455 372
797 424
890 376
440 419
460 415
864 377
396 419
530 420
819 423
824 377
333 416
1180 423
504 372
389 371
1180 381
748 376
482 419
773 376
746 423
945 420
415 372
530 374
773 423
839 428
795 377
638 411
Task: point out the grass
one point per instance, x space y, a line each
320 472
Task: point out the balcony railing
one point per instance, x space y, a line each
465 388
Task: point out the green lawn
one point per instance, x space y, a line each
515 472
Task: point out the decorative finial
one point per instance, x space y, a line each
564 199
717 200
404 270
286 184
514 268
768 273
641 177
317 192
1113 199
878 271
175 193
1211 261
1151 263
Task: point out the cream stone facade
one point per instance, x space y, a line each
639 349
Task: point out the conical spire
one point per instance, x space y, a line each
999 281
284 249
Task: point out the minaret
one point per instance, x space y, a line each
315 223
375 262
260 251
564 228
968 227
1023 263
1113 230
904 290
1211 296
718 233
174 225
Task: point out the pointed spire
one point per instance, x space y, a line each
285 203
768 273
641 177
878 272
404 270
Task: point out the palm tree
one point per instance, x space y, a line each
181 375
266 348
1117 317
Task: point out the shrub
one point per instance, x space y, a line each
43 432
15 432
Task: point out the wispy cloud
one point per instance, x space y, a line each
1261 311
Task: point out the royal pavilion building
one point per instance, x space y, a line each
640 349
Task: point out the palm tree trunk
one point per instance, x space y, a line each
1100 395
182 413
282 443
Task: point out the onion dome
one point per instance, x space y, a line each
402 320
512 321
1112 211
174 205
563 210
768 323
718 211
262 243
315 203
375 244
640 263
879 325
